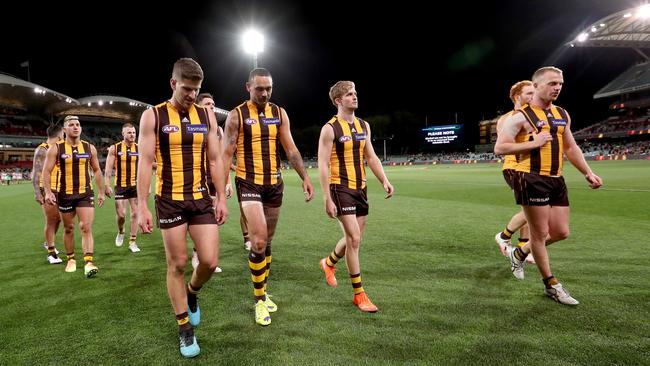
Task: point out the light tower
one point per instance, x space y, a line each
253 42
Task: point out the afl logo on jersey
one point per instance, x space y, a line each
345 138
250 121
170 129
65 156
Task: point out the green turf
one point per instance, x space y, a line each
445 293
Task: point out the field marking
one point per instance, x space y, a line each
625 189
503 184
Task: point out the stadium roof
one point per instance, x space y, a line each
628 28
113 106
109 106
634 79
21 94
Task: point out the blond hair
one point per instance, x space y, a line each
69 118
543 70
339 89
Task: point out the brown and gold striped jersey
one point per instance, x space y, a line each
548 159
181 138
54 178
258 145
73 163
346 162
126 164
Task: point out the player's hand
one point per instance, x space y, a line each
330 208
307 189
50 198
39 198
594 181
100 199
388 188
542 138
228 190
145 220
220 211
109 191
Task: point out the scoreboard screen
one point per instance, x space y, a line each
442 137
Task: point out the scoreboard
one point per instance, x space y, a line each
442 137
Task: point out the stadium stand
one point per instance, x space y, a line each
27 109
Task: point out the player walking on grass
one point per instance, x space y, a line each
344 143
256 129
540 134
180 136
124 157
520 93
50 212
73 157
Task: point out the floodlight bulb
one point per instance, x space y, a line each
253 41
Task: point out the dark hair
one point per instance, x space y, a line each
260 71
187 68
202 96
54 130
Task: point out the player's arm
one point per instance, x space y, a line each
37 172
500 122
146 154
230 136
217 171
48 165
108 170
375 164
97 171
294 155
511 126
325 143
573 152
228 188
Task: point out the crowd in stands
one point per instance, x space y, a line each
444 157
19 125
615 125
597 148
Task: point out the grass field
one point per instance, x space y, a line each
429 262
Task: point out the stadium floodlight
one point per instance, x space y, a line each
627 15
253 42
644 11
582 37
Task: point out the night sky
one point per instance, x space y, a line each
402 58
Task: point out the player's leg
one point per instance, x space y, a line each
176 257
86 217
120 218
133 206
67 218
258 231
52 221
